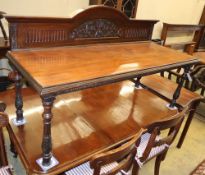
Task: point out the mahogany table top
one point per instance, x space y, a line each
84 122
200 55
63 69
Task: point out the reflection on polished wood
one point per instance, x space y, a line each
166 88
84 122
91 120
70 66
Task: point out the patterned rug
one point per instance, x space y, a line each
200 169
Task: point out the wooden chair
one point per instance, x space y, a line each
4 168
113 162
198 75
1 25
4 43
153 145
4 47
165 89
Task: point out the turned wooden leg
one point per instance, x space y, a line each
187 124
47 141
137 84
16 77
162 74
47 161
179 87
157 164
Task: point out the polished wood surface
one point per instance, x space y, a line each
166 88
84 122
72 67
200 56
97 118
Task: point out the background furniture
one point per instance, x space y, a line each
4 47
198 75
129 7
200 46
4 43
188 47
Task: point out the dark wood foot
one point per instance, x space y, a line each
179 87
13 150
187 124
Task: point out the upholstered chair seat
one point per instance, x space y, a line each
85 169
154 151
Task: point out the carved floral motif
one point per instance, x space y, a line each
100 28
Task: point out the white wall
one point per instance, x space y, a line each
55 8
170 11
42 7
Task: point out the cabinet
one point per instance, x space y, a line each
201 44
129 7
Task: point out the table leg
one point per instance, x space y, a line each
47 161
137 83
16 77
177 92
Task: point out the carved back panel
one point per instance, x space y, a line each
93 25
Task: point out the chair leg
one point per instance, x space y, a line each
164 155
187 124
12 147
3 156
157 164
135 169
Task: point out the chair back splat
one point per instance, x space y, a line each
124 155
153 145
